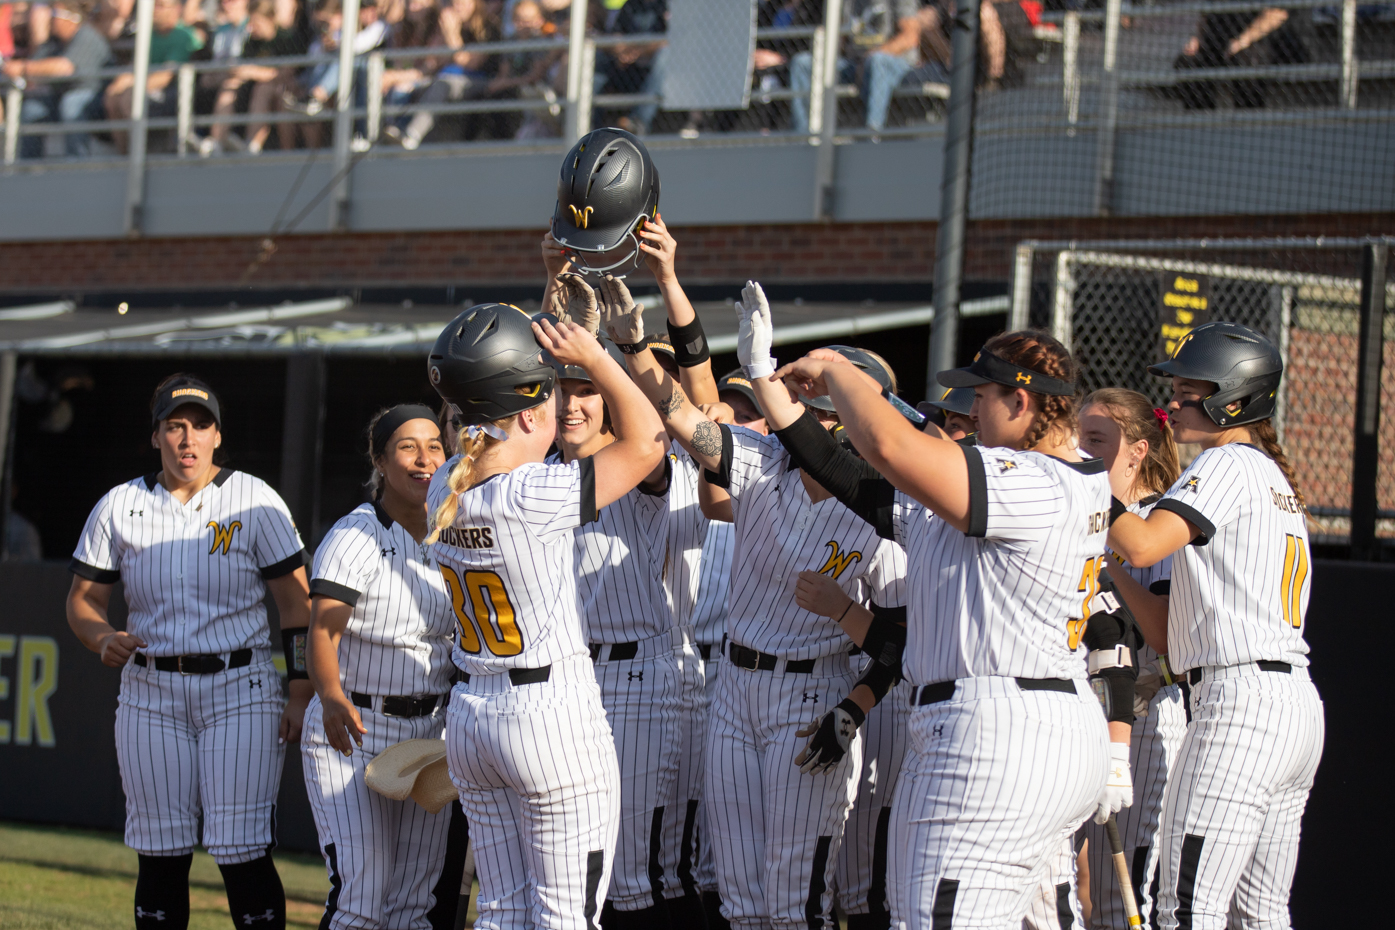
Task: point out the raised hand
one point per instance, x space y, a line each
755 334
579 302
659 249
624 321
569 343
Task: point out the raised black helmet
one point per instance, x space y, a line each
608 187
862 360
1244 365
488 365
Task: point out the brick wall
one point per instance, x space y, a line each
851 252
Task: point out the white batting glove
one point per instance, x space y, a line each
1118 789
755 334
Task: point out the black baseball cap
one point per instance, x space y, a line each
185 391
738 382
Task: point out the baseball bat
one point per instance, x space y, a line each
1121 870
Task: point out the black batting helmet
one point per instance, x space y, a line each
863 360
581 374
958 400
482 358
608 187
1245 367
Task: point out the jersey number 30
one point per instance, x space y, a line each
494 620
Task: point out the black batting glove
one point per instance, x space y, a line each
831 735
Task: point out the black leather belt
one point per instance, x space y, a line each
619 652
942 691
1194 676
397 706
705 650
755 661
196 665
521 676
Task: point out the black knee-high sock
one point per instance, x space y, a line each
878 921
256 899
687 912
654 917
712 903
162 892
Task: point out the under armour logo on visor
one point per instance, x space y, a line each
1025 379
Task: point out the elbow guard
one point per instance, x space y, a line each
1113 638
689 344
879 678
886 636
293 643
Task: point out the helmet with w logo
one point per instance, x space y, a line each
1243 364
608 187
488 365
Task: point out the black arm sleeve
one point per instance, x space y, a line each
857 485
886 636
879 678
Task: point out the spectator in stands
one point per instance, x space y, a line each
413 24
1004 37
30 27
466 76
885 49
324 78
76 51
636 68
1241 40
266 38
529 75
170 41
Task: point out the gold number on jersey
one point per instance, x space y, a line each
1089 586
493 620
1295 576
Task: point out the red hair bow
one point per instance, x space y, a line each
1161 414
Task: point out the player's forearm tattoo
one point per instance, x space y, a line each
707 438
669 406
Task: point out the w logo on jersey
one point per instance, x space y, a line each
838 562
223 535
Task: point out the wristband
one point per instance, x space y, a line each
293 642
630 348
689 343
849 706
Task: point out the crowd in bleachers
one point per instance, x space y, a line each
61 52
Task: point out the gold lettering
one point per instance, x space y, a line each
580 217
38 671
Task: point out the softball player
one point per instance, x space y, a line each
1135 442
1234 523
775 831
526 734
379 655
1008 751
201 724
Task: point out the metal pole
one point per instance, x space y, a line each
135 173
1063 300
1365 466
1020 311
1349 67
576 38
302 440
584 104
14 102
376 66
824 162
184 117
344 117
1070 68
1109 115
816 83
954 194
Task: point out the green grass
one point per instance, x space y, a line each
52 878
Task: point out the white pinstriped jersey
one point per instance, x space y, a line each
1240 589
508 562
620 569
1007 598
779 533
714 585
687 529
1147 577
399 636
194 572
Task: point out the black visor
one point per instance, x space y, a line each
988 368
185 392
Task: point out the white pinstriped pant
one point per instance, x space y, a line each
861 872
776 831
536 770
995 781
681 860
643 703
1157 738
1234 804
201 743
383 856
707 863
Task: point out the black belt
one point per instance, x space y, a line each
196 665
521 676
755 661
942 691
396 706
1194 676
705 650
619 652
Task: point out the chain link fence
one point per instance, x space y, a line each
1123 306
